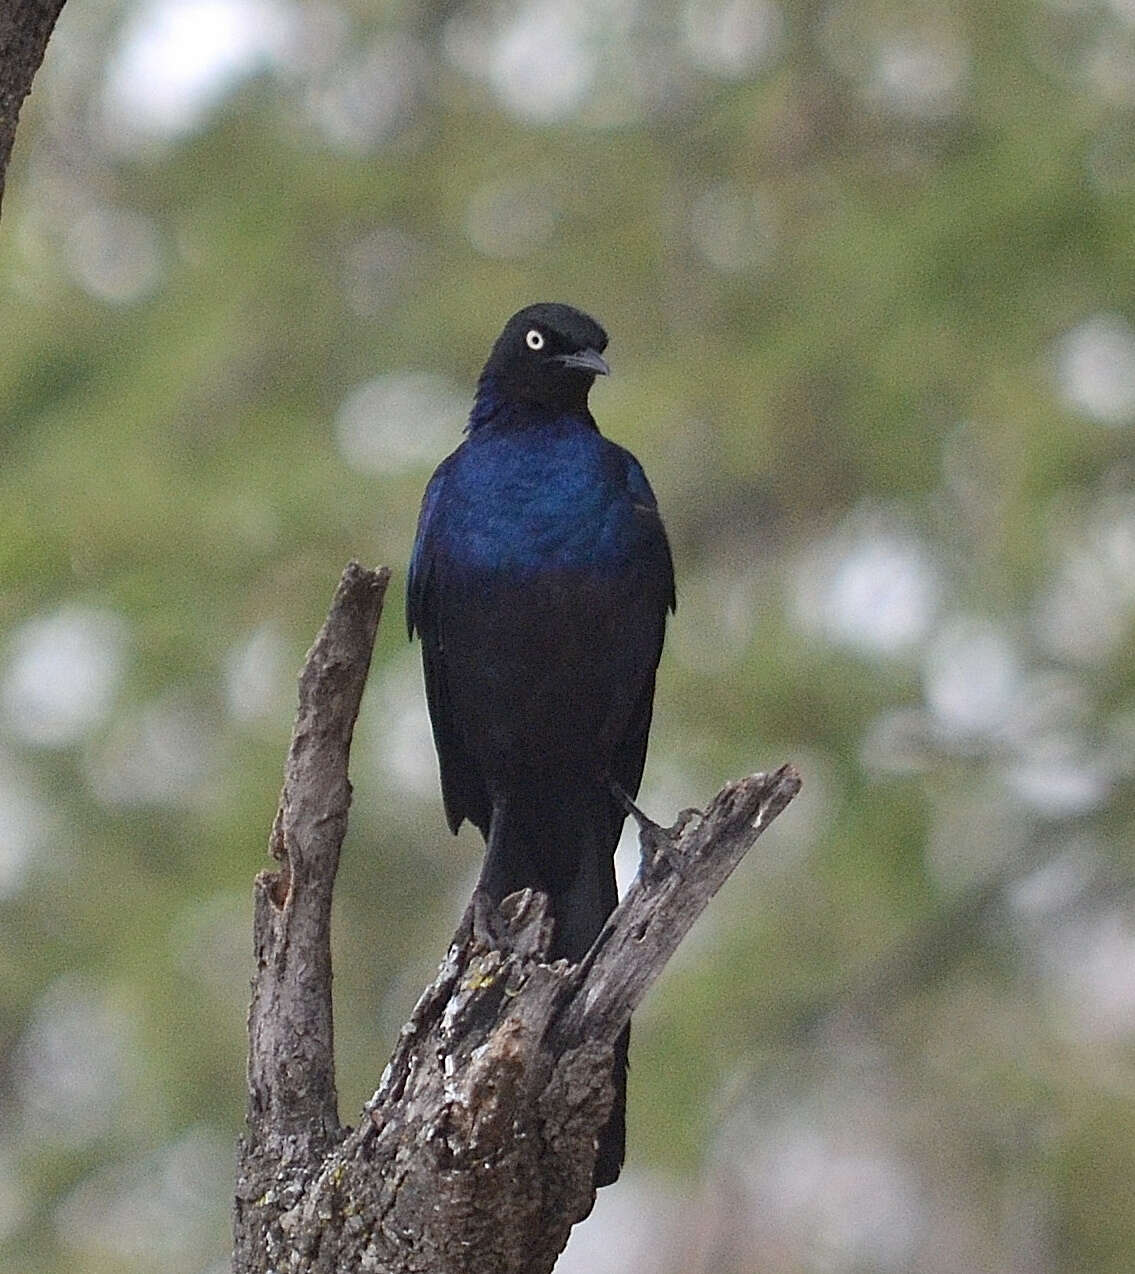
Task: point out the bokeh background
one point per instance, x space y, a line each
867 271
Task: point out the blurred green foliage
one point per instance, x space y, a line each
867 275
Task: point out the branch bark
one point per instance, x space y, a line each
475 1154
25 26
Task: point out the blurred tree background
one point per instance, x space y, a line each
867 271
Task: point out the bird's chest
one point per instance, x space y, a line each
539 512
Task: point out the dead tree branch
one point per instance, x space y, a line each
475 1154
25 26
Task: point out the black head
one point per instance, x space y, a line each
547 355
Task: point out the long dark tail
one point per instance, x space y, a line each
564 844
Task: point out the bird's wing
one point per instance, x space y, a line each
419 578
656 597
463 790
630 754
659 563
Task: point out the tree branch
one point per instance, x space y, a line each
25 26
292 1104
694 860
475 1155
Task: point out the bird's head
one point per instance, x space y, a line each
548 355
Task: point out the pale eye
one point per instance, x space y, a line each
534 339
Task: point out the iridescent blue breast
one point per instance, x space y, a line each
539 500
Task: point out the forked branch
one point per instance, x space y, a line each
475 1154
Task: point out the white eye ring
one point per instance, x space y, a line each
534 339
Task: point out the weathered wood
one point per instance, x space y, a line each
292 1104
683 868
475 1155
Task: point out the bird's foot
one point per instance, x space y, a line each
482 924
519 925
527 924
658 845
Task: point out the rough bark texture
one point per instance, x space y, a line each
475 1154
292 1105
25 26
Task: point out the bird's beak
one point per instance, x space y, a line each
586 360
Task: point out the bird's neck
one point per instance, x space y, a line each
509 406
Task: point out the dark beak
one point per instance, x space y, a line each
586 360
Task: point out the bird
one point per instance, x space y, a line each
540 584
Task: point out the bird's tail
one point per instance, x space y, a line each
564 844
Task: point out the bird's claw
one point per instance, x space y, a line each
659 852
482 925
658 849
665 854
684 819
658 845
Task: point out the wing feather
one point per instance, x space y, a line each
462 788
